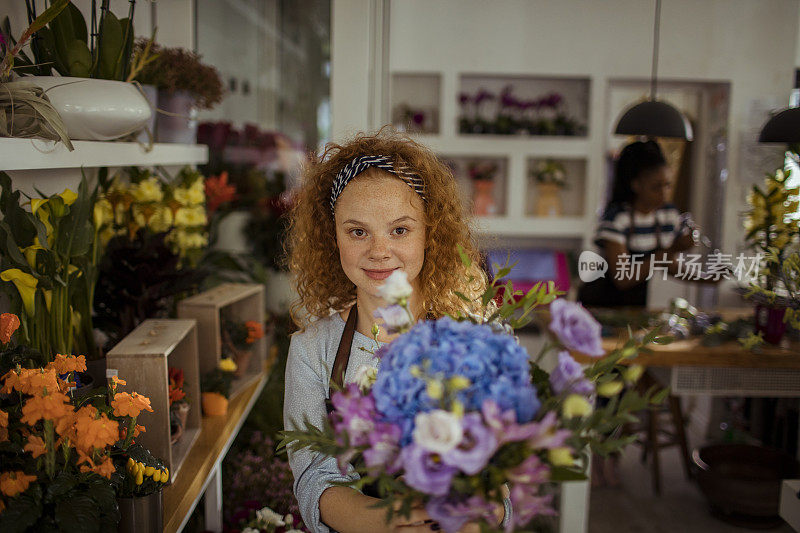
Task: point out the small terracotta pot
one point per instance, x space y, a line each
242 358
214 404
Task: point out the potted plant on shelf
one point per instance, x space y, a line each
772 233
139 491
185 85
178 405
550 179
216 388
482 174
60 455
238 337
92 92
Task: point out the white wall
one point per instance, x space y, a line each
750 43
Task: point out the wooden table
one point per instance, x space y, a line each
201 471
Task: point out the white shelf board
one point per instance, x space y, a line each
33 154
555 227
505 145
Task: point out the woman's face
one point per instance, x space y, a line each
380 228
654 188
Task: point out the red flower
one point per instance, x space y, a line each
9 323
218 191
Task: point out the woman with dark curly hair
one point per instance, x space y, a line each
367 208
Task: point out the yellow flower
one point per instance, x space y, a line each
148 471
415 371
227 365
197 192
139 478
435 389
560 457
457 408
30 252
576 405
610 388
161 220
148 190
68 196
458 383
633 373
48 298
102 213
26 285
36 203
191 216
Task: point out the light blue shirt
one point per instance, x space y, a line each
308 371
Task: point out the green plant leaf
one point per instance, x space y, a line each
77 514
23 511
110 48
78 59
61 485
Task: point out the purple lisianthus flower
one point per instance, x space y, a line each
464 98
384 450
542 434
576 328
452 515
394 317
354 414
527 503
477 446
532 471
568 376
425 471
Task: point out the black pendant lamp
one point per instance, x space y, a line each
784 127
653 118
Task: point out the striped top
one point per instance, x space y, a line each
651 231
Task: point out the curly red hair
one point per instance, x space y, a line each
313 254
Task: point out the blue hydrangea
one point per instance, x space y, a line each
495 364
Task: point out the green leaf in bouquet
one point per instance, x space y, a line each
67 27
22 511
560 474
659 397
123 59
12 249
465 260
462 296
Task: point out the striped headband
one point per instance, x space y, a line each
362 163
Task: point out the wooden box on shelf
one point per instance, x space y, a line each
244 302
142 359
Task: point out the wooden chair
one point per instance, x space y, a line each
657 435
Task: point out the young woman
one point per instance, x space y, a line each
638 225
367 208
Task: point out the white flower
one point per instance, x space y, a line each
396 288
365 377
250 530
438 431
267 516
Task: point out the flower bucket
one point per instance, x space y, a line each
483 198
769 321
214 404
142 514
177 420
177 123
95 110
548 200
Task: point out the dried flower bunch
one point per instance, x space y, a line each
178 69
241 333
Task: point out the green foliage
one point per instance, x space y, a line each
63 45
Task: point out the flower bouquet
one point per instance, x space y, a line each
63 459
178 405
458 416
550 171
216 388
238 338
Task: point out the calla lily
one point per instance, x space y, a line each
30 252
68 196
36 203
48 298
26 285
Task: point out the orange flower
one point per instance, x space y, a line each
125 404
218 191
68 363
175 395
12 483
95 432
30 380
48 407
137 430
2 506
255 330
3 419
115 382
36 446
65 426
83 458
9 323
105 469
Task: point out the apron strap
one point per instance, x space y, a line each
343 353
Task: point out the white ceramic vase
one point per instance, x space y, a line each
95 110
178 121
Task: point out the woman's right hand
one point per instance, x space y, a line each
417 521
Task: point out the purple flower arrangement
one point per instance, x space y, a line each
545 115
459 416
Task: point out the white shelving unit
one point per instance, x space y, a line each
35 154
